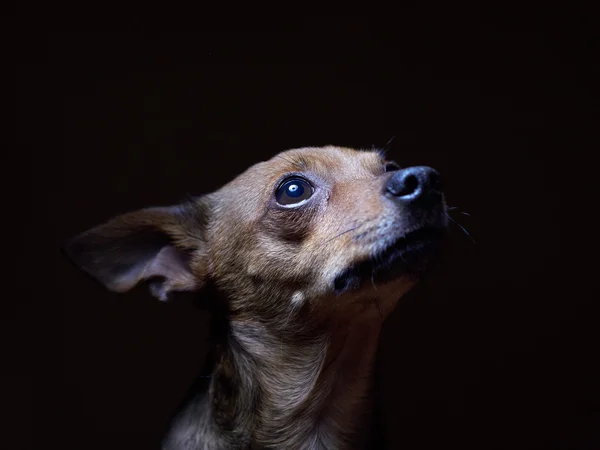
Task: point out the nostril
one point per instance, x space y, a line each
414 183
410 183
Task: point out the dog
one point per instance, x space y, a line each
309 252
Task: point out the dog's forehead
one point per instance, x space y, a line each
331 164
338 162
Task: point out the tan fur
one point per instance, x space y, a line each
295 369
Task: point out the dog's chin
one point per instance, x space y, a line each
409 255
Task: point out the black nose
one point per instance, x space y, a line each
415 183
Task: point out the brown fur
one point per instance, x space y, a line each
294 368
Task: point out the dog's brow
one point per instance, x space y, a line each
298 162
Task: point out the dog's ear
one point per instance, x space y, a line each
165 246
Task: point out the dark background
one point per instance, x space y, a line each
497 350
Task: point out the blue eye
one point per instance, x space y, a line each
293 190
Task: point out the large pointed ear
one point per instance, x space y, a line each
165 246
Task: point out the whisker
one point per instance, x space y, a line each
462 228
454 208
288 159
339 234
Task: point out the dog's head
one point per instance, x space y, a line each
313 229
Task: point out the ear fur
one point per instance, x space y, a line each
163 245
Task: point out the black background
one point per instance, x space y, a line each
497 350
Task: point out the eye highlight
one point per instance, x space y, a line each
293 191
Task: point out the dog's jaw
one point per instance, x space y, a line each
408 256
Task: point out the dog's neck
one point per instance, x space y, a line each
314 391
272 389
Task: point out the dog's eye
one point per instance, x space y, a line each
391 167
293 191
